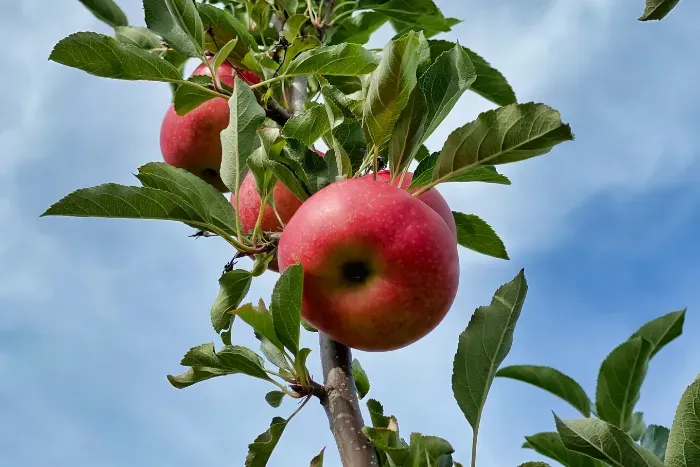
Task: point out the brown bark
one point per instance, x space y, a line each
342 405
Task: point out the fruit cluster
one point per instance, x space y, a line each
381 268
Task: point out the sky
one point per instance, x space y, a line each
95 313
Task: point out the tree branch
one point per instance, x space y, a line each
276 112
297 94
342 406
340 396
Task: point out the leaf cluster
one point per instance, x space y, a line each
611 432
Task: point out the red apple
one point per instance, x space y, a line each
381 268
192 141
432 197
249 205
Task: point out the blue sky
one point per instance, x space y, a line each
94 313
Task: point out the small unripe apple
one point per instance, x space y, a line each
432 197
192 141
381 268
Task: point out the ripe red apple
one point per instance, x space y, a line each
381 268
192 141
432 197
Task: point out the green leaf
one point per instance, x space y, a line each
361 379
351 138
314 167
178 23
177 60
392 448
341 60
287 170
424 451
106 11
242 360
485 174
411 14
407 134
446 461
308 126
635 426
508 134
104 56
201 356
358 28
233 287
376 413
684 439
317 461
128 202
223 53
483 346
274 355
188 98
655 439
550 445
534 464
489 84
292 27
552 381
238 138
336 111
290 6
605 442
193 376
390 86
274 398
298 45
225 27
619 380
205 363
443 84
210 204
657 9
475 234
662 330
265 180
138 37
260 450
439 89
346 84
260 319
300 365
286 306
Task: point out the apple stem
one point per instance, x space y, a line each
342 405
376 162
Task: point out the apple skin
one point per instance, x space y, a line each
432 197
358 227
249 205
192 141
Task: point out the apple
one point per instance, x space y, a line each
432 197
192 141
249 202
381 268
